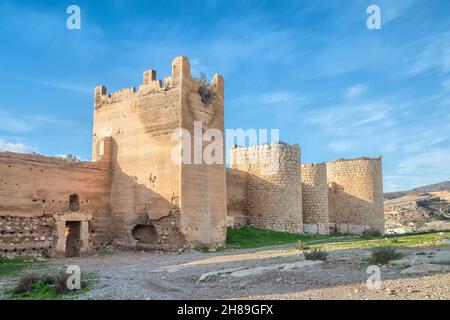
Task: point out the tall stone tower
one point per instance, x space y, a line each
356 195
157 202
274 186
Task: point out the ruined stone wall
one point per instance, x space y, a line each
236 197
36 189
274 188
203 185
315 198
184 203
356 195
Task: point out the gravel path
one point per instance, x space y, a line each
266 273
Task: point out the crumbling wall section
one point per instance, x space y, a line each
148 180
34 189
237 198
27 236
203 183
145 181
274 188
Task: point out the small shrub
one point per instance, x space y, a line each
47 279
371 233
204 91
204 249
316 254
300 245
46 286
61 283
384 255
26 283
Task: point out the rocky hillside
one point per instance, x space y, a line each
418 212
443 186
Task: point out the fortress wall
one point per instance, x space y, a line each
35 189
356 195
315 196
203 183
274 189
148 186
236 197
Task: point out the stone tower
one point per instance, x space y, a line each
158 202
274 187
356 195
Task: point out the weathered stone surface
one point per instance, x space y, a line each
273 197
356 193
315 196
248 272
426 268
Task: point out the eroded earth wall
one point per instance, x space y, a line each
36 189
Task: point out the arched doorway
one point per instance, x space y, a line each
145 234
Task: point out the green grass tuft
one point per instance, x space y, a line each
316 254
15 265
251 237
47 286
384 255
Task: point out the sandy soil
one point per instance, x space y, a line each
271 274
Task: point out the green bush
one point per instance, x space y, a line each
61 283
46 286
26 283
384 255
316 254
371 233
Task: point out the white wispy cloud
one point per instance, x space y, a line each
13 124
85 89
16 147
434 55
280 97
427 163
343 145
356 90
446 86
346 116
17 123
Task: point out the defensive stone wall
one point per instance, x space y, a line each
356 195
315 198
237 198
35 190
274 188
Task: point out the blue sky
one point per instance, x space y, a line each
310 68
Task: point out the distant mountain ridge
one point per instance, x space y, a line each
442 186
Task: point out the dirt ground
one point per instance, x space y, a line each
266 273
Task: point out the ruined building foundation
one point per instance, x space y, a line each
133 195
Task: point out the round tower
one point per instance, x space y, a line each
315 198
356 195
274 188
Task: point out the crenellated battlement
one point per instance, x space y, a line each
181 73
276 155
